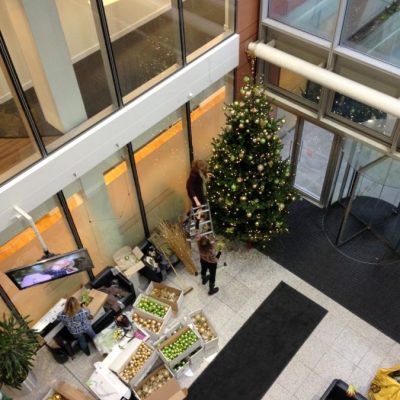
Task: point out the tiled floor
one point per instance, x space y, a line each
342 346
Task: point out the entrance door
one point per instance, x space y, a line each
312 154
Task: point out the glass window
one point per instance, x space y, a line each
357 113
363 114
207 115
104 206
163 168
19 246
206 24
287 131
55 49
317 17
290 81
145 40
313 159
18 149
372 27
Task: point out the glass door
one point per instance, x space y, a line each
313 151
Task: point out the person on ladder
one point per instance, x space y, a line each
196 182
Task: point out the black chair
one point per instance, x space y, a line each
106 278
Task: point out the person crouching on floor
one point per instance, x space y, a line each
208 261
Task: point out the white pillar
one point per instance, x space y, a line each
38 28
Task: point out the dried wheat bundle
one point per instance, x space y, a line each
174 235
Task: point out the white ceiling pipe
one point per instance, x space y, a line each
328 79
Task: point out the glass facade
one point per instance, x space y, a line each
287 131
145 41
317 17
163 167
63 73
313 159
207 116
19 246
18 149
78 65
372 27
206 23
104 206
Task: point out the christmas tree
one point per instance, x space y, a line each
250 188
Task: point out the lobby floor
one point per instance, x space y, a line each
342 346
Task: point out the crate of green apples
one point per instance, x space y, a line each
152 308
207 332
179 346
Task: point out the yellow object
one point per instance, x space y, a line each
351 391
383 386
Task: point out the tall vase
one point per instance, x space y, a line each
27 386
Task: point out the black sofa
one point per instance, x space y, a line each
104 279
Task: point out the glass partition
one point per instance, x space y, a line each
315 150
207 115
19 246
206 23
18 149
104 206
287 130
163 167
145 40
317 17
362 114
372 27
56 51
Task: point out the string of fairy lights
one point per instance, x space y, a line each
250 189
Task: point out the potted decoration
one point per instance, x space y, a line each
18 347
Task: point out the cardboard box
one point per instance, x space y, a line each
166 317
120 362
210 346
153 335
183 355
171 390
196 358
174 304
106 385
69 392
178 372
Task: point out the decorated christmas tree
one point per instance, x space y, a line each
250 188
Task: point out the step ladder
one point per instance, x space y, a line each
200 222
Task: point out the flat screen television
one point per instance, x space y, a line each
50 269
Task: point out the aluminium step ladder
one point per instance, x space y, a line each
200 222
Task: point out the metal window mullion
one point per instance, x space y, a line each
135 176
187 126
10 304
107 54
298 134
329 178
19 96
182 32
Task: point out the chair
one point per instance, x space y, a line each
105 279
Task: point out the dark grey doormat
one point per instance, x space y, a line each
252 360
371 291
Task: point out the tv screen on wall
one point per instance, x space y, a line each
50 269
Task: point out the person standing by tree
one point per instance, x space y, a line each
208 261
